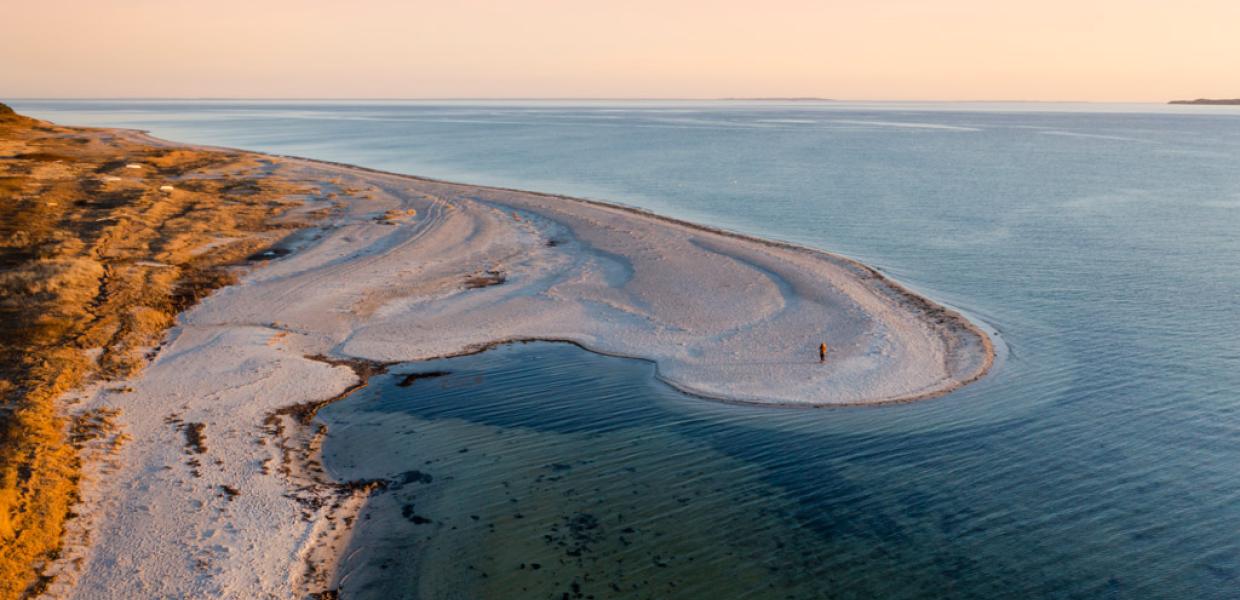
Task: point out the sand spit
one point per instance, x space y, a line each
220 494
724 316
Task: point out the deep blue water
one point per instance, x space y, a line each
1102 459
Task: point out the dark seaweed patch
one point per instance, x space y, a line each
409 378
407 512
415 476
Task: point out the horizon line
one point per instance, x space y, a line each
806 99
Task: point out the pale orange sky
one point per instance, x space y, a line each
1139 50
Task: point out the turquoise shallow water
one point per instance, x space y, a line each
1100 460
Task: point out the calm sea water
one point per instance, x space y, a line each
1101 460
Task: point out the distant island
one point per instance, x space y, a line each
1209 101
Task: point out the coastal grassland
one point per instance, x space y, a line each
104 238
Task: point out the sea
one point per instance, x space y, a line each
1100 458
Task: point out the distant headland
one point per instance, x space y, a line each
1209 101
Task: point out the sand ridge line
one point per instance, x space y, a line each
462 269
952 323
954 327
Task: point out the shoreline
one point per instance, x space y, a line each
105 241
412 269
862 270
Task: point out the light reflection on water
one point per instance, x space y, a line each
608 479
1100 240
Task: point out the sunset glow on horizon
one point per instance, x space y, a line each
1090 50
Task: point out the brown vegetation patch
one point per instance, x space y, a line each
481 280
195 438
92 425
43 157
94 257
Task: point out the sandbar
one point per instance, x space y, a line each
406 269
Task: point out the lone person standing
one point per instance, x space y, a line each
822 352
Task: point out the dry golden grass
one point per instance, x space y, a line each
93 256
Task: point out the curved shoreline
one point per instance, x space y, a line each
410 269
868 271
955 324
873 277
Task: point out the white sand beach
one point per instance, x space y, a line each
413 269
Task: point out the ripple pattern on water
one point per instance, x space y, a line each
1098 461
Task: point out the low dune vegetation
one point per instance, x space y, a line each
104 238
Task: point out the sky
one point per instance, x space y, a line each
1070 50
